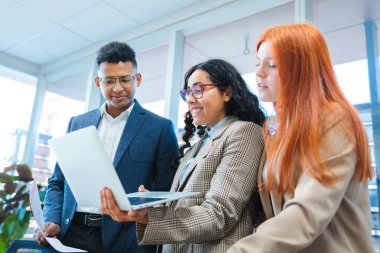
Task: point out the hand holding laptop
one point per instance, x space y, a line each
87 169
109 206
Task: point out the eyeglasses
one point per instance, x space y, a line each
196 90
110 81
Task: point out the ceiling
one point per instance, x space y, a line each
59 38
42 31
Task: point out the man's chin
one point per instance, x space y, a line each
124 105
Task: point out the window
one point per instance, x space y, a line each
56 113
16 101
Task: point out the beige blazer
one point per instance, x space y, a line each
319 218
224 172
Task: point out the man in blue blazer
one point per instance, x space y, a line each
142 145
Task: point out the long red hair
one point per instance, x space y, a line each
308 90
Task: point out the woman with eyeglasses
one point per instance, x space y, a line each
318 161
222 166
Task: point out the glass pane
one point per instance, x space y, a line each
353 79
56 114
183 108
16 101
156 107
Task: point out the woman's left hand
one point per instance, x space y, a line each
109 206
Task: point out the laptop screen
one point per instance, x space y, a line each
142 200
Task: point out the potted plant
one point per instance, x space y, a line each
14 203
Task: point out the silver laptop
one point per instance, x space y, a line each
87 168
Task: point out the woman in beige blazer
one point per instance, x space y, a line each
318 158
222 166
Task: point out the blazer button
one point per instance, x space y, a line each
67 221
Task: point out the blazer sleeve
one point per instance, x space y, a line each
231 187
53 203
314 204
166 161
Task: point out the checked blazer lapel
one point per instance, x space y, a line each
134 122
203 152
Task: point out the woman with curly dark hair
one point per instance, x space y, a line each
243 104
222 166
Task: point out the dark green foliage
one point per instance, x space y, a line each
14 203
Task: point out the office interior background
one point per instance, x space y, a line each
47 60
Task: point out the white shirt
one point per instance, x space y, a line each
110 130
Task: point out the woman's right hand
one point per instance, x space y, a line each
109 206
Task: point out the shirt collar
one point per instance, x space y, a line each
213 130
122 115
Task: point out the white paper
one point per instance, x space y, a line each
35 205
57 245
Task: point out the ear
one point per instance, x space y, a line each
97 81
138 79
227 95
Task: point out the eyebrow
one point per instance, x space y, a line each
118 76
196 83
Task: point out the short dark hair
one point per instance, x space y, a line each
114 52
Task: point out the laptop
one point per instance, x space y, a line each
87 168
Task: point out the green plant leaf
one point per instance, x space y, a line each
8 225
5 178
14 204
21 227
3 193
3 244
26 203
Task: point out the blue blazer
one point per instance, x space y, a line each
145 155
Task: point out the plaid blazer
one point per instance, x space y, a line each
224 172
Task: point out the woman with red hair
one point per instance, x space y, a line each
314 180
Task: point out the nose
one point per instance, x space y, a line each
191 99
117 86
260 72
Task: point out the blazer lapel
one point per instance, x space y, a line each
92 119
264 195
134 122
203 152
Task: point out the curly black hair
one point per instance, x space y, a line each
189 132
114 52
243 104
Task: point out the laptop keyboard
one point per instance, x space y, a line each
142 200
